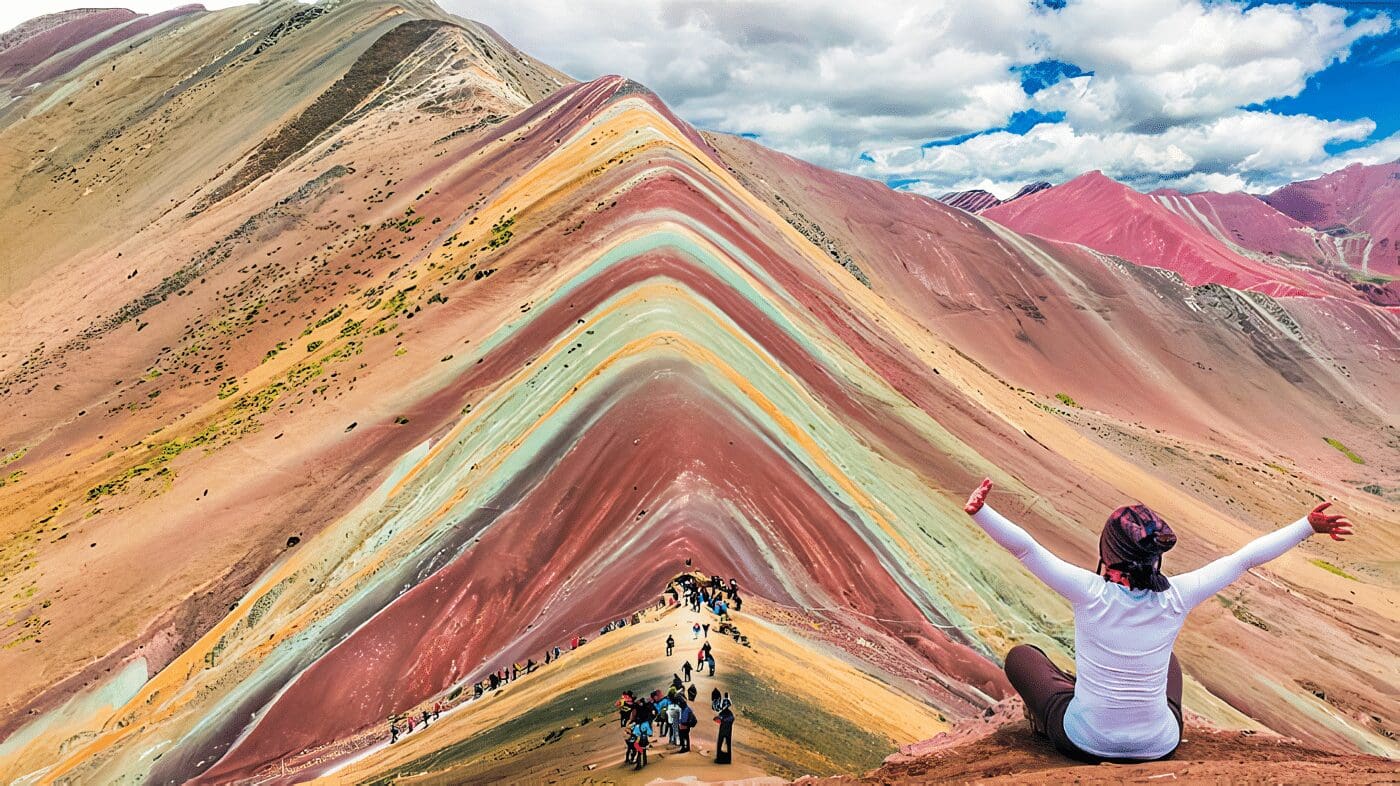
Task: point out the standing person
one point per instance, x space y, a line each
685 670
724 741
409 723
437 710
687 722
673 719
1127 705
670 645
710 661
715 696
694 631
393 732
642 730
426 715
663 716
625 707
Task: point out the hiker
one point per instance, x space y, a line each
670 645
476 691
643 734
725 702
685 670
715 696
694 631
724 741
738 603
687 721
676 682
426 715
673 719
710 661
1125 705
630 740
393 732
625 706
437 710
409 723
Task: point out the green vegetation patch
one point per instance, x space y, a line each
1344 450
501 232
1065 399
1330 568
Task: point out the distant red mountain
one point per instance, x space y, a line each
1107 216
1359 205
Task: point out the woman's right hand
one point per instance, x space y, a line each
1324 523
979 496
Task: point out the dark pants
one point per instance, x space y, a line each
1047 692
724 743
684 732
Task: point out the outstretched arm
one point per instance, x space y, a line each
1074 583
1200 584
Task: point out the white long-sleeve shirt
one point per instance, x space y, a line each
1124 637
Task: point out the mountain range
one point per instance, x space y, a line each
351 354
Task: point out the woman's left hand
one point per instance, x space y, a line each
1334 524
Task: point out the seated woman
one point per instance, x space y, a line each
1125 705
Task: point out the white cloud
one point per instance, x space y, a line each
1239 151
1162 100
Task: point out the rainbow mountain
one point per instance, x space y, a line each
351 354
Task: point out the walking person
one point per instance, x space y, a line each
710 661
670 645
1126 704
426 715
694 630
685 671
724 741
393 732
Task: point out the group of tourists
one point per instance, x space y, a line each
658 714
410 722
405 723
671 715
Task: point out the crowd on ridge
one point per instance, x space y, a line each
671 713
687 589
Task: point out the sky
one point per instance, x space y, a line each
940 95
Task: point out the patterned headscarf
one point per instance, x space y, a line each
1132 542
